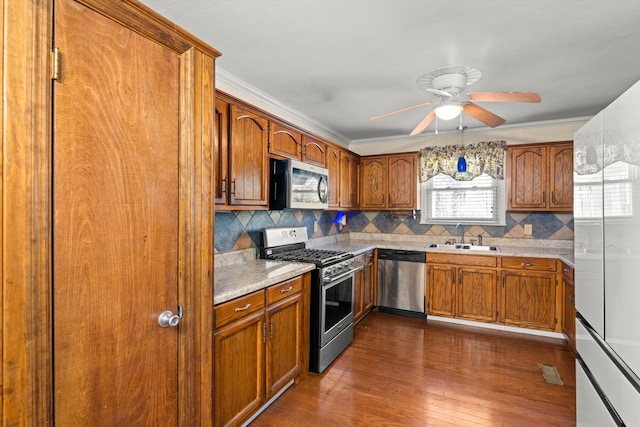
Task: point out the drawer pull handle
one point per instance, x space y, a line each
246 307
526 264
566 270
284 291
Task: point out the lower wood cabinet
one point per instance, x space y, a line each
363 285
462 286
259 346
514 291
530 292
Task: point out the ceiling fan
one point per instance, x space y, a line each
449 84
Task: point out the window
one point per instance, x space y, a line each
447 201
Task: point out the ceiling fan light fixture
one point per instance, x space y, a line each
448 110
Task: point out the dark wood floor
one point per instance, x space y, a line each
402 371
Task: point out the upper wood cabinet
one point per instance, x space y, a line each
333 165
221 155
349 171
314 151
389 182
248 160
284 141
540 177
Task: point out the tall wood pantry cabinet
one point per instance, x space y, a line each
111 178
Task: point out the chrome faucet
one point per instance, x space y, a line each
461 232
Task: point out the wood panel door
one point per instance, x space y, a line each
561 177
403 182
368 282
248 168
478 295
115 224
118 207
528 177
284 343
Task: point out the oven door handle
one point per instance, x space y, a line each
343 275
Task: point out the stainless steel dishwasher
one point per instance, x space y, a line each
402 280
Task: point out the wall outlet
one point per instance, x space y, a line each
315 227
528 229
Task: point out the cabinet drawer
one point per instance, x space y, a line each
282 290
239 307
567 272
527 263
465 260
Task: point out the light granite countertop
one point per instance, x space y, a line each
238 274
235 280
360 246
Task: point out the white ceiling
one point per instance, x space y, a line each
340 62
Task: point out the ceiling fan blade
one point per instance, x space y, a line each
483 115
400 111
424 123
505 96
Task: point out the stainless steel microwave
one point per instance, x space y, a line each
297 185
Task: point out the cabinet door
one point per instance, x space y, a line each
368 282
373 183
333 165
221 155
530 299
239 370
528 178
358 288
441 281
284 343
248 166
347 194
403 182
285 141
313 151
354 177
477 295
561 177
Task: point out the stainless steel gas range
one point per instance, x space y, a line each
331 291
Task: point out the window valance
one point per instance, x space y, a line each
483 157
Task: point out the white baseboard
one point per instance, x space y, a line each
497 327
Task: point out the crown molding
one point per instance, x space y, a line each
244 91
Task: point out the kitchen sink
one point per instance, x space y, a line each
463 247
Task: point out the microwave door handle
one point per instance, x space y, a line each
322 192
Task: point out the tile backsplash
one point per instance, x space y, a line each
235 230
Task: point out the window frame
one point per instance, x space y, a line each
500 205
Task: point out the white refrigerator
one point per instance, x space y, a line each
607 264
